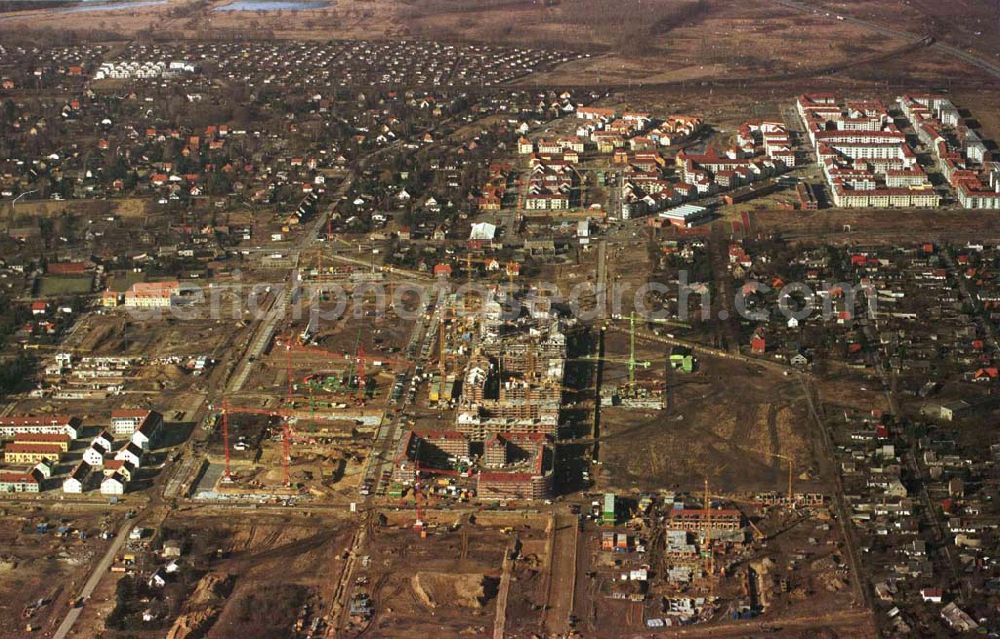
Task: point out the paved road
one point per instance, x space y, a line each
702 349
261 333
101 569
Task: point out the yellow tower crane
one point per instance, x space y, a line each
791 466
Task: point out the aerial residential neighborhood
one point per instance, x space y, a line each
516 320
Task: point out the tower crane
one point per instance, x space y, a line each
357 362
791 464
709 552
447 314
286 432
286 435
468 276
632 363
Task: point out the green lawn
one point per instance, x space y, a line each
53 285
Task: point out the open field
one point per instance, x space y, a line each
678 40
26 211
54 285
837 225
125 334
721 41
966 23
725 423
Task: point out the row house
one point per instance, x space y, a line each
12 426
607 142
595 113
31 453
20 482
130 69
964 167
676 129
60 440
639 120
975 195
884 197
549 187
152 294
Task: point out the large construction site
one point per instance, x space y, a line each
423 319
475 471
456 460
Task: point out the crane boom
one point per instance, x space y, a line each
225 436
791 463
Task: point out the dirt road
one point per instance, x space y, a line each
500 623
100 569
562 573
855 623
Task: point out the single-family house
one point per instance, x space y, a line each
131 454
114 485
93 457
75 483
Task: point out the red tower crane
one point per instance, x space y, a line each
359 361
314 350
286 429
426 470
288 373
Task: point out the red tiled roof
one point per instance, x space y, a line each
41 438
14 477
33 448
130 412
38 420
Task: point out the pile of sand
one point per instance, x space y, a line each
193 624
832 581
211 587
467 590
202 606
826 574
